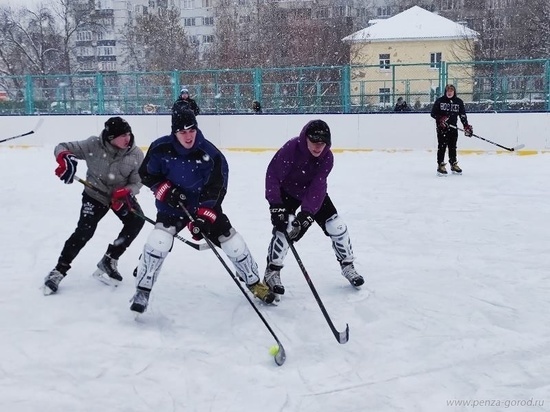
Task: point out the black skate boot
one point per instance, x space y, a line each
54 278
349 272
140 300
455 168
272 278
107 271
441 169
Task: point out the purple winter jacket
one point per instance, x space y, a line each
296 171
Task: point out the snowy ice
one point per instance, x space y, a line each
455 306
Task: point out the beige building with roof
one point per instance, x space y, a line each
401 56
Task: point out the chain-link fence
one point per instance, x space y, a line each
521 85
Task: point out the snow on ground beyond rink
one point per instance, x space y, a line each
457 270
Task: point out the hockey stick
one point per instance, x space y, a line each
510 149
280 356
341 337
197 246
36 127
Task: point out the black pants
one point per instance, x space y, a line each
326 211
446 138
91 213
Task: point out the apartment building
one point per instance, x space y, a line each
101 47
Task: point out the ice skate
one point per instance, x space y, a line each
442 170
51 282
272 278
140 301
456 169
107 271
262 292
349 272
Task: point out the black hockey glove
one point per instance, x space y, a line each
300 225
170 194
468 130
279 217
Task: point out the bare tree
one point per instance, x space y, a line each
158 42
30 42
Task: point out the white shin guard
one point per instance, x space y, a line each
341 243
156 249
237 251
277 250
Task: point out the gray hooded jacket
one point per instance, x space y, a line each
109 168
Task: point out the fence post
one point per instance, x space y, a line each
100 94
29 100
346 88
258 84
176 85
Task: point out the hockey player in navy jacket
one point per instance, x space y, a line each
184 168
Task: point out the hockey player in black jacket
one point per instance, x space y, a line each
185 102
446 111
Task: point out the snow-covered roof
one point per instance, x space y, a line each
415 23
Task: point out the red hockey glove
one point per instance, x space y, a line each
203 223
468 130
170 194
66 169
120 199
442 122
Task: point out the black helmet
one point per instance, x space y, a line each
183 120
318 132
115 127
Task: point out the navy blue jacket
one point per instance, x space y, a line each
200 172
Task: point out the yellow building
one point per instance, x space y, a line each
401 56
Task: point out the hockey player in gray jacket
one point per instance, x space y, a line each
113 161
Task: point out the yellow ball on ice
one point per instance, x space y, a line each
274 350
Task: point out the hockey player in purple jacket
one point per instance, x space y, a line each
297 177
183 168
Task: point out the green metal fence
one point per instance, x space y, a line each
519 85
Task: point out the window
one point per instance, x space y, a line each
383 11
107 66
435 60
322 13
206 3
339 11
384 94
87 66
451 4
85 51
384 61
189 21
208 21
84 36
208 38
105 51
187 4
192 40
104 4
